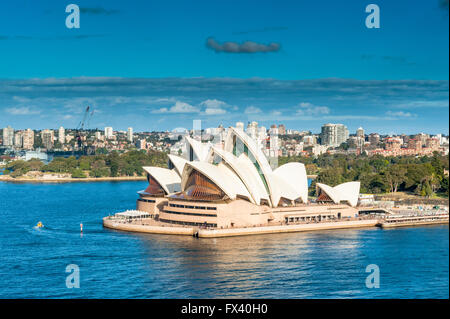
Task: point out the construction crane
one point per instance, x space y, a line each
82 145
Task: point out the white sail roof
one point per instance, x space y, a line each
200 149
245 170
169 180
220 174
255 152
294 175
348 192
178 162
281 189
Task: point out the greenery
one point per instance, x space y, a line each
111 165
422 176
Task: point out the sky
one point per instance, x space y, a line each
159 65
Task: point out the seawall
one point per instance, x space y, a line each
211 233
170 230
229 232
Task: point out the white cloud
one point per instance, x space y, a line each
213 104
214 107
423 104
215 111
252 110
178 107
400 114
276 113
306 108
21 111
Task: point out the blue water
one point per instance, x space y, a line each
413 262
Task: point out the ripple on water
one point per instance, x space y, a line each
331 264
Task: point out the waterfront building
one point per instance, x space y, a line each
28 139
334 134
47 136
236 187
130 134
346 192
8 136
36 155
18 139
62 135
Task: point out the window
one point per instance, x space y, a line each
190 214
200 187
154 187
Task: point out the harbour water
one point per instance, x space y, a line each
413 261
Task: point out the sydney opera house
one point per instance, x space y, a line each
234 186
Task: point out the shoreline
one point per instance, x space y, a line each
231 232
6 178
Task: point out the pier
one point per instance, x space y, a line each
403 220
143 222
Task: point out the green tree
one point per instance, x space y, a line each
395 175
78 173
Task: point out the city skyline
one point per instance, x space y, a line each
303 64
278 140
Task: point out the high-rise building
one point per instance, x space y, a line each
334 134
130 134
47 137
273 146
28 139
8 136
61 135
108 132
240 126
18 139
252 130
281 129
